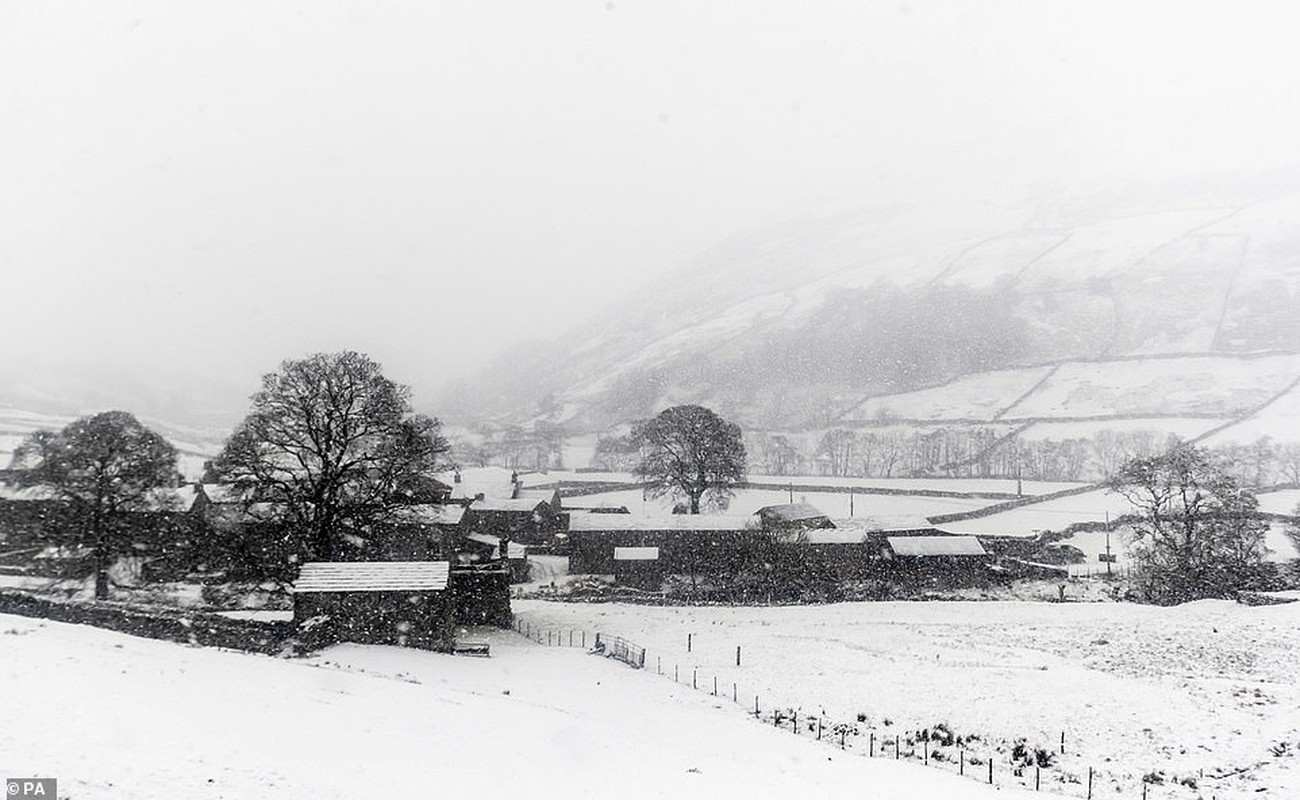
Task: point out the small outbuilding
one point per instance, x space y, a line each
375 602
793 516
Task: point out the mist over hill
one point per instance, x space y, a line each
796 326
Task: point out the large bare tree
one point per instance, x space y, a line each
330 447
691 452
104 466
1198 532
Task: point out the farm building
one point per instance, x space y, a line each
528 520
793 516
938 561
379 602
687 542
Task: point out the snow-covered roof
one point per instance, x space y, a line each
430 514
884 523
515 550
792 512
485 538
636 553
372 576
222 493
833 536
936 546
498 504
673 522
487 481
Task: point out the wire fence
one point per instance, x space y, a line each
998 763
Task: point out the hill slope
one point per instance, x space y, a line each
1159 308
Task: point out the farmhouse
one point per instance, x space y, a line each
394 602
685 542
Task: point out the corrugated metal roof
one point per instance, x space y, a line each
936 546
673 522
636 553
372 576
485 538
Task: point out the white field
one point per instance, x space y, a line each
1283 501
1208 687
1183 428
979 397
112 716
1195 385
1049 515
835 504
1280 420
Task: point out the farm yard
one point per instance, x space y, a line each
1199 700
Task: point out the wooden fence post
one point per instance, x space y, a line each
756 705
819 729
688 642
738 655
926 757
1089 783
1038 775
871 750
990 770
694 674
961 765
898 751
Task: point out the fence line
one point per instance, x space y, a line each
848 736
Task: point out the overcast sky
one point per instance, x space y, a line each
231 184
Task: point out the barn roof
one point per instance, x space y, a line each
936 546
485 538
372 576
636 553
886 523
673 522
430 514
792 512
833 536
499 504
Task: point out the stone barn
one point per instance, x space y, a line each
403 603
936 561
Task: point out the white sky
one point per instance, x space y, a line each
236 183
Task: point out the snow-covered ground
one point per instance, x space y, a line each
112 716
1205 692
837 505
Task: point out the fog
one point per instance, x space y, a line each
209 189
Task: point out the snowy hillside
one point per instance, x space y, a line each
111 716
1168 307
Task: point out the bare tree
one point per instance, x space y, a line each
1198 533
330 446
689 451
104 466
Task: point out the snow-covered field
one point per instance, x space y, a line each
112 716
837 505
1205 692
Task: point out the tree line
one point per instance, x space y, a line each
984 452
